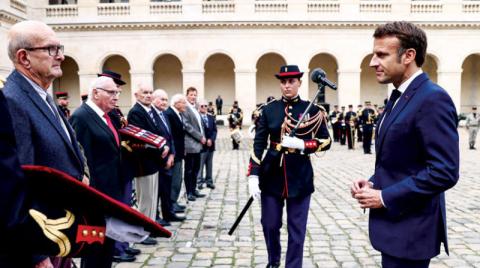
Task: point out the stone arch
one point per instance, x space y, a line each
266 83
120 64
370 89
470 90
329 64
167 73
69 82
430 67
220 79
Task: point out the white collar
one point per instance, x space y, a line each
95 108
407 82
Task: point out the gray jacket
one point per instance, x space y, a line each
193 133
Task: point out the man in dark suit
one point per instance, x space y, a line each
101 143
417 153
43 135
143 116
206 157
62 100
194 141
178 105
160 105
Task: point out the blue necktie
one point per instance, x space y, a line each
164 122
153 117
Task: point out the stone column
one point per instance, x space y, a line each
451 81
245 92
194 78
348 87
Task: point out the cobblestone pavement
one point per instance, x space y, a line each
337 228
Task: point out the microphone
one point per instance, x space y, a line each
319 76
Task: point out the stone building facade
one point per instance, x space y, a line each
233 48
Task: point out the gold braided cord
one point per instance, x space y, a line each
51 229
309 126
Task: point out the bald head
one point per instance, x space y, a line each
143 94
26 34
35 52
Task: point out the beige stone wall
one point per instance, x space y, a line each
233 48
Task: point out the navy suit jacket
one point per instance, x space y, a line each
165 131
210 132
102 152
417 161
40 138
149 158
178 133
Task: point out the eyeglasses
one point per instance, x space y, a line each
203 106
110 92
52 50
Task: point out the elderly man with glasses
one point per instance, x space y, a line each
42 134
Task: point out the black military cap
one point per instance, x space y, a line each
289 71
68 217
61 95
350 106
117 78
474 108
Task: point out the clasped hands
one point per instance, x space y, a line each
366 196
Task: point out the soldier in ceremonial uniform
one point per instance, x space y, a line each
235 123
342 126
285 174
358 126
335 123
368 121
472 124
350 121
62 100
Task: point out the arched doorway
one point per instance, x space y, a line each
69 82
470 95
430 67
267 85
328 63
167 74
370 89
220 80
120 65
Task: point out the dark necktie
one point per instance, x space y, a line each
110 126
164 121
391 102
152 116
475 115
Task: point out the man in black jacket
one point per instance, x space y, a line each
178 105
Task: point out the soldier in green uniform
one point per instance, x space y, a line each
285 174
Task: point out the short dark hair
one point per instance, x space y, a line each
409 35
190 89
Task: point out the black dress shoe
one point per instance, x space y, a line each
198 194
124 258
200 186
275 265
191 197
178 210
211 185
133 251
149 241
174 217
179 206
162 222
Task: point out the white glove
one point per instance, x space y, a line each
123 232
293 142
253 188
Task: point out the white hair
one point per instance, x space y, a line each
99 82
176 98
202 102
159 93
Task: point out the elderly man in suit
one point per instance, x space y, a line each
43 135
143 116
194 141
101 143
206 158
178 105
160 105
417 153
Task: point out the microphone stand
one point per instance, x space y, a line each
320 94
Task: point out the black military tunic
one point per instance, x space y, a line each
368 121
350 121
287 173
